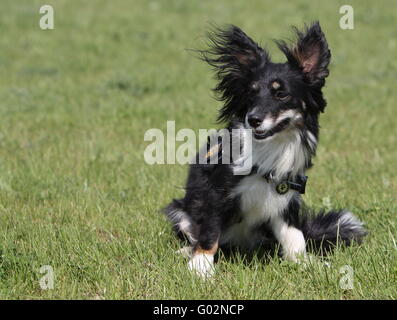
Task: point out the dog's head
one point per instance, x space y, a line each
269 97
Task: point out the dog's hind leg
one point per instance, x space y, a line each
202 237
202 260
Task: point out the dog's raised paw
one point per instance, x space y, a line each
202 265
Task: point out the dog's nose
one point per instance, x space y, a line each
254 121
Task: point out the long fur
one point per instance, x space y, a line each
281 103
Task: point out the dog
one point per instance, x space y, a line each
280 104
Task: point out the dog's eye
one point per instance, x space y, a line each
255 86
283 96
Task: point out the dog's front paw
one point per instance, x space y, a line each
203 265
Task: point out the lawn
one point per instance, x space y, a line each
77 195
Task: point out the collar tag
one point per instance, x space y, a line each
282 187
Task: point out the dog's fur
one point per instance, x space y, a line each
281 103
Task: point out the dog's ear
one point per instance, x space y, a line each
234 57
310 54
232 50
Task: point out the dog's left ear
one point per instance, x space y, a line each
310 54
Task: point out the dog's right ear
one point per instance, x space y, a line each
234 57
231 50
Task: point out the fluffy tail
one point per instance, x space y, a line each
326 230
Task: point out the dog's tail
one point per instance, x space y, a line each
326 230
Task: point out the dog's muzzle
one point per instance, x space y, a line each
267 127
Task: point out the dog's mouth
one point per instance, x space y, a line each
263 134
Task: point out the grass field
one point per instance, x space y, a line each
76 194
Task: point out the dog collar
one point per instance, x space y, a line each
283 186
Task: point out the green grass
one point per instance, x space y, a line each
76 194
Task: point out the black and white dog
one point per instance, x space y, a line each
281 103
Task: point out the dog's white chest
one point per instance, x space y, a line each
259 203
259 200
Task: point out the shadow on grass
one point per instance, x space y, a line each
267 252
262 254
